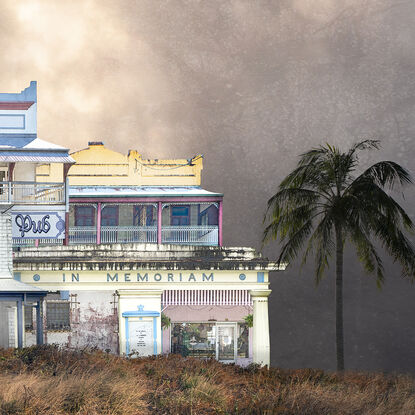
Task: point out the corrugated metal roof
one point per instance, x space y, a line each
139 191
35 159
11 285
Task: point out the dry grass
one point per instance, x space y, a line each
49 380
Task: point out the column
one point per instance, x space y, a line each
261 345
159 219
39 322
19 323
65 178
99 223
220 233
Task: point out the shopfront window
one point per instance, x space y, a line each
194 339
223 341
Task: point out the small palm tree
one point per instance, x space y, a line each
321 204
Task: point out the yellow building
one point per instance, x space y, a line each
99 166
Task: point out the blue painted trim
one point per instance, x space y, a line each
64 295
141 314
260 277
39 323
127 337
14 296
17 276
28 94
14 115
19 323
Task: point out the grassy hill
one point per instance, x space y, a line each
49 380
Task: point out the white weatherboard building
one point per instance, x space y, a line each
27 207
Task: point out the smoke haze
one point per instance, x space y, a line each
251 85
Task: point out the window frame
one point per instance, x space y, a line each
56 302
78 217
115 217
180 217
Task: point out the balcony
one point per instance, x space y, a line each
190 223
181 235
29 193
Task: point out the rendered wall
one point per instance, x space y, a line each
94 322
100 166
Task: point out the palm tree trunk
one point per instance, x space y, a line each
339 300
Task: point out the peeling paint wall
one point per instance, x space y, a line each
93 323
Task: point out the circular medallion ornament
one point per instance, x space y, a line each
242 277
60 225
36 277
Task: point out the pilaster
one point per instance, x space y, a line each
261 343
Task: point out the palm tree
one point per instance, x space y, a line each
321 204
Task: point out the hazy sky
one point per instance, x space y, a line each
248 83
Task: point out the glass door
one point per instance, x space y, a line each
225 344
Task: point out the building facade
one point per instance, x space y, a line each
142 269
27 207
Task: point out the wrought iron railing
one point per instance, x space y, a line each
125 234
190 235
82 235
185 235
32 193
32 242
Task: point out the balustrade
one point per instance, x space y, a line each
32 193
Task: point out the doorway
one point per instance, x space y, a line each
207 340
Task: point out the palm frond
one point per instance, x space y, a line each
387 174
366 252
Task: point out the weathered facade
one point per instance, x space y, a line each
116 296
141 269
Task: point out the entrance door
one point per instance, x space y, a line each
226 346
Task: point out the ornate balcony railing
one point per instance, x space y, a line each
184 235
32 242
125 234
82 235
32 193
190 235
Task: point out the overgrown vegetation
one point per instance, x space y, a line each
50 380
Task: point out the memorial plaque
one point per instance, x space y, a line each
141 337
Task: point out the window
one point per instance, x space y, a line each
194 339
143 216
28 317
243 340
223 341
58 315
84 216
109 216
180 215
